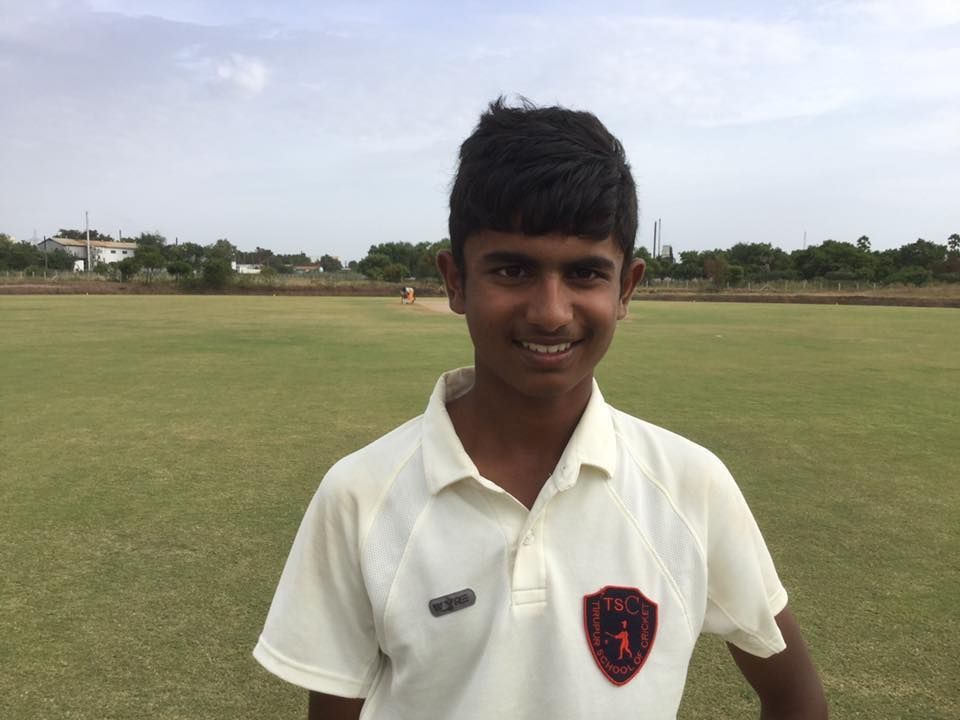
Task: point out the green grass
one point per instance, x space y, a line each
156 454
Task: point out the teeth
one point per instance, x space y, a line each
548 349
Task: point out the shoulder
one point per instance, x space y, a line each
691 478
360 478
661 452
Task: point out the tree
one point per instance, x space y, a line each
417 260
736 275
373 264
188 252
222 249
690 266
953 244
716 268
128 268
72 234
217 273
20 255
150 258
863 243
834 260
59 259
922 254
395 272
330 264
911 275
180 269
949 269
153 239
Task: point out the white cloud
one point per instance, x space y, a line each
249 74
244 73
899 14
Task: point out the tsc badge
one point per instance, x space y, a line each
621 625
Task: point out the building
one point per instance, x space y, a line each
311 269
245 268
102 251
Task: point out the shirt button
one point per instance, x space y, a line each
528 538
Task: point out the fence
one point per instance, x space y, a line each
780 286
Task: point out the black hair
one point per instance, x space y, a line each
542 170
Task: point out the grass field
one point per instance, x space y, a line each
157 452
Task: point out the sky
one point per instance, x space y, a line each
326 127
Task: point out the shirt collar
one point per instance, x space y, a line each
445 461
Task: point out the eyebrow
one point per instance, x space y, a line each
504 257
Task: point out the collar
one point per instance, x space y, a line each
445 462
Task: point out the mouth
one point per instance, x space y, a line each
552 349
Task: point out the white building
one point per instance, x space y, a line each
102 251
244 268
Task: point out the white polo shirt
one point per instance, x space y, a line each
425 588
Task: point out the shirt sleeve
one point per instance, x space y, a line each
320 633
744 593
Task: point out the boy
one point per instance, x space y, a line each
522 549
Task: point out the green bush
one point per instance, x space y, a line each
217 274
911 275
128 268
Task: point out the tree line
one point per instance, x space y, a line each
917 263
27 256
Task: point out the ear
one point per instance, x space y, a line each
452 280
633 276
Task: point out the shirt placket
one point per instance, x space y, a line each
529 563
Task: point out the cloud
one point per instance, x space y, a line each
245 74
898 14
248 74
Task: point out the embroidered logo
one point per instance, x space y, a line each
446 604
621 625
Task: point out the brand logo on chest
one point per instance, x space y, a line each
621 625
446 604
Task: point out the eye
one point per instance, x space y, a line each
514 272
587 274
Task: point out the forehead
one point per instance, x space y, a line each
544 249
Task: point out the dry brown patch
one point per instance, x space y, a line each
439 305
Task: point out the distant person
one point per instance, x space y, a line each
471 563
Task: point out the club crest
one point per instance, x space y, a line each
621 625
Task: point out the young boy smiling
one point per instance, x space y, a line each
523 549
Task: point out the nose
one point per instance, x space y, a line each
549 306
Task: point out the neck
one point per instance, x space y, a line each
499 426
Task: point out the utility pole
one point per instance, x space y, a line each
86 226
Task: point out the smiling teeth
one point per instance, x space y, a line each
548 349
